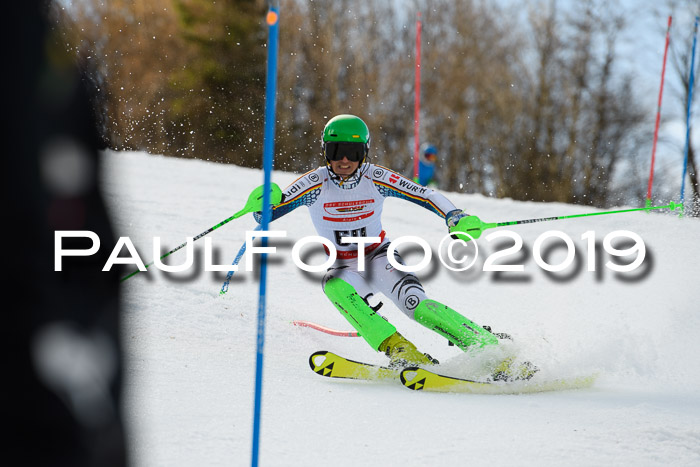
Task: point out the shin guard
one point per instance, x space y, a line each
369 324
462 332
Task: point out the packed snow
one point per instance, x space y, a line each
190 352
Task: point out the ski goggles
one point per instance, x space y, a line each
335 151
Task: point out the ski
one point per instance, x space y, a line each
332 365
419 379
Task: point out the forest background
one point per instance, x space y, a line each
525 100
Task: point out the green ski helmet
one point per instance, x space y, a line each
345 136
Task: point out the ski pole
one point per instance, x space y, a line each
224 287
253 204
318 327
473 226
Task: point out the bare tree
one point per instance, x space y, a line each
581 116
531 111
340 57
130 48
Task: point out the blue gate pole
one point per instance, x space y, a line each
687 121
268 156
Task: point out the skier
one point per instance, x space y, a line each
345 198
426 166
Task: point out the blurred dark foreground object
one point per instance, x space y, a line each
62 371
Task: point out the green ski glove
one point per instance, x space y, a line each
459 223
255 199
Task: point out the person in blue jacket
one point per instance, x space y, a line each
426 165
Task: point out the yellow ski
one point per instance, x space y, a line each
420 379
331 365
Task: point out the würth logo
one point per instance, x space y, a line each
394 178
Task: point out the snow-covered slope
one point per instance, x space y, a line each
190 371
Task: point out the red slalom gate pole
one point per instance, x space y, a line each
416 116
658 117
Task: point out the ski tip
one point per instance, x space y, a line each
317 359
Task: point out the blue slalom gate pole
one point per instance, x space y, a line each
687 121
268 156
